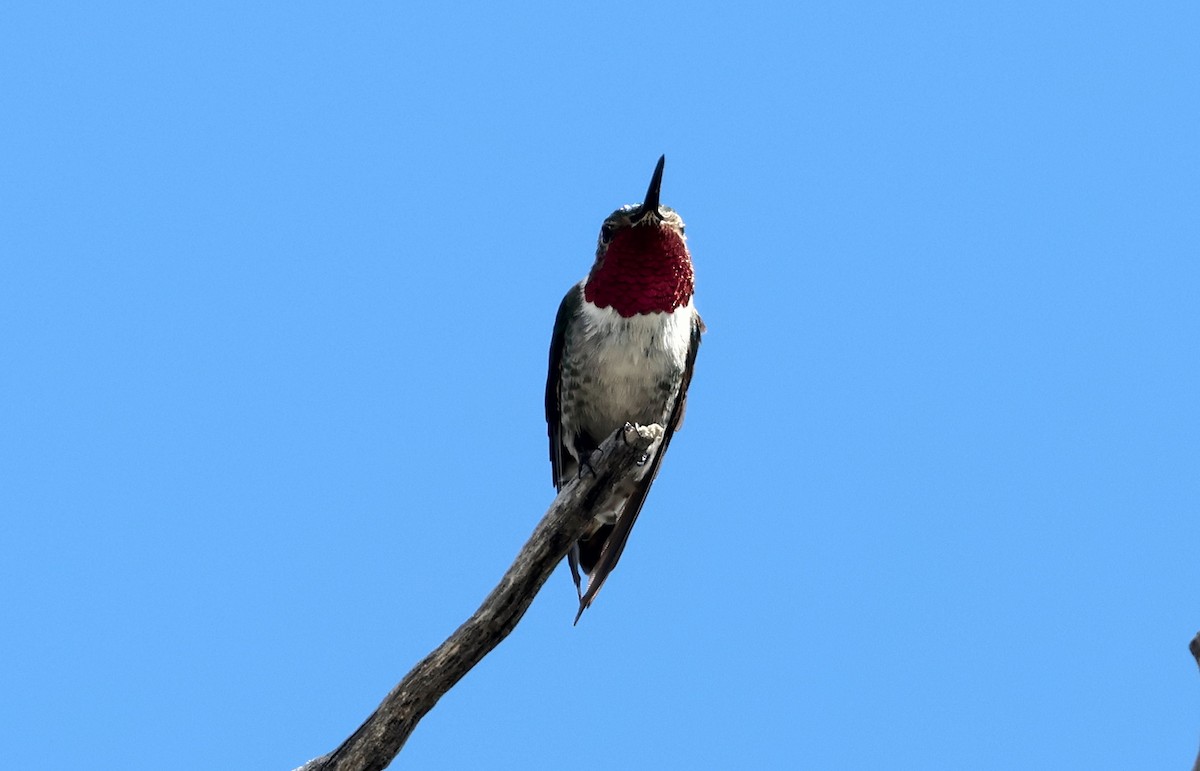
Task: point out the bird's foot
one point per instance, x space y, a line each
631 430
585 463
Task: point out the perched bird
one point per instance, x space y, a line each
623 349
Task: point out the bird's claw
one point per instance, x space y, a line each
585 463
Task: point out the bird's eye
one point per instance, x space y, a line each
607 231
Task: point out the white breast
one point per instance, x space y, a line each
627 369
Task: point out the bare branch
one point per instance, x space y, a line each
377 741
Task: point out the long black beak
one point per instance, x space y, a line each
650 204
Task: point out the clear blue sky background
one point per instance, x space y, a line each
277 289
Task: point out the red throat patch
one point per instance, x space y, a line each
645 270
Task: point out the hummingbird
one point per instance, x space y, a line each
623 349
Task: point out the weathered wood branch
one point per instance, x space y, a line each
378 740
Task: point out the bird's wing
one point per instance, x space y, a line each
615 544
559 455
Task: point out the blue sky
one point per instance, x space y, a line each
278 288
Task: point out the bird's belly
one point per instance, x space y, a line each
612 399
625 370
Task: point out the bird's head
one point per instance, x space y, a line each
642 260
